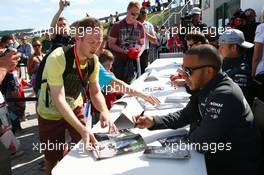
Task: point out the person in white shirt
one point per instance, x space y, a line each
111 20
15 42
163 36
150 38
258 60
258 57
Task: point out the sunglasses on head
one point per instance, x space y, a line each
189 71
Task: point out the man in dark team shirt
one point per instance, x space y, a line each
233 47
218 114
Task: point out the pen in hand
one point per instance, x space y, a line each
142 114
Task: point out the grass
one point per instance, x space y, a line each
158 18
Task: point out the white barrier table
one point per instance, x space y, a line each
165 63
79 161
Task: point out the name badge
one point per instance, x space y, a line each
86 110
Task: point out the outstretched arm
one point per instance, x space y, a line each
120 86
56 18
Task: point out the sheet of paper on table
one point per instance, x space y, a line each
131 107
152 76
177 99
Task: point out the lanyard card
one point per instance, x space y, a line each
86 110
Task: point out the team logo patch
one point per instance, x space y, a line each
214 109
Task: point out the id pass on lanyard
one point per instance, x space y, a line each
86 107
85 97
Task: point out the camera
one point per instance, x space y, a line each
186 20
7 50
67 3
187 17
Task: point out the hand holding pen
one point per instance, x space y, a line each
141 115
143 121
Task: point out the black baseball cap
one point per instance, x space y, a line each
143 11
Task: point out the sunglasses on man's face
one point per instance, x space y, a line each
189 71
192 44
37 45
134 14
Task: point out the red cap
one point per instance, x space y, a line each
133 53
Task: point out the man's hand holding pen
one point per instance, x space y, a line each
143 121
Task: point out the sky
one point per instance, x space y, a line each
37 14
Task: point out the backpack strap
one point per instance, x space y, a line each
90 66
69 58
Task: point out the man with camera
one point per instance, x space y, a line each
246 22
8 61
196 19
59 28
191 22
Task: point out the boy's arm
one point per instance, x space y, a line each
120 86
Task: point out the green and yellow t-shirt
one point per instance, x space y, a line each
53 73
